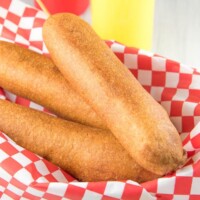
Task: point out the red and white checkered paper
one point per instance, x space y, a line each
24 175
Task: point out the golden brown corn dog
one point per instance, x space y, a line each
35 77
88 154
140 124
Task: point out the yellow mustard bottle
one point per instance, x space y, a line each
127 21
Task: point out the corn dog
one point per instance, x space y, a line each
88 154
139 123
35 77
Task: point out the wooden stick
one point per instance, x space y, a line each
43 7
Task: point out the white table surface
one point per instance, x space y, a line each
176 30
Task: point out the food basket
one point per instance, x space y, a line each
24 175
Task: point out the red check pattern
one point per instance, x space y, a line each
24 175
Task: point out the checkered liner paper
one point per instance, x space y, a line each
24 175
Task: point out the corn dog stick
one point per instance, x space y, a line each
35 77
139 123
43 7
87 153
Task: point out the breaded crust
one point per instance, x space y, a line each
35 77
88 154
139 123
